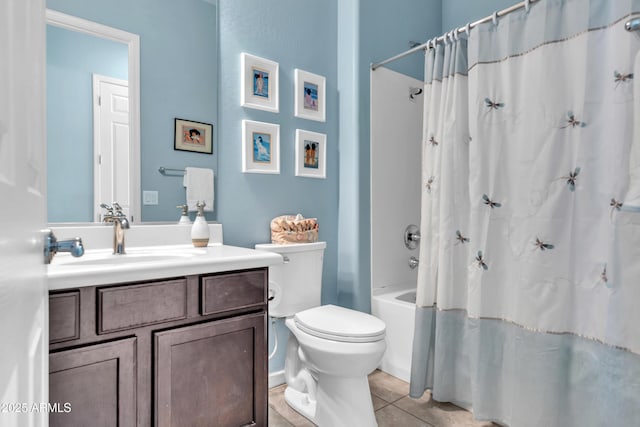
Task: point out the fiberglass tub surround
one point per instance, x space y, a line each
396 115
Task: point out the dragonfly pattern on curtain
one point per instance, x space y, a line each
530 261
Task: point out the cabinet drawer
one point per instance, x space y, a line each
64 316
127 307
231 291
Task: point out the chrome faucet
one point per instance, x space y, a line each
120 223
52 246
413 262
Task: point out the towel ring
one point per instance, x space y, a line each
494 18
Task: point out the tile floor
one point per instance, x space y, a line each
393 406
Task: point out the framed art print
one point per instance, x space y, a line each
260 147
193 136
310 99
311 154
259 87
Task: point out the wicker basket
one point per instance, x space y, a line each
287 229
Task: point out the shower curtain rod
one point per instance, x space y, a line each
460 30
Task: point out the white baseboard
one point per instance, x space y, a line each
276 378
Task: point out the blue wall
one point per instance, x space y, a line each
296 34
72 59
371 31
456 13
179 74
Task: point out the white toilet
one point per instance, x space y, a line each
331 349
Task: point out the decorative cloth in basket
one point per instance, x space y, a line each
294 229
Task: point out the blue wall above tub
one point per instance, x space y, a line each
371 31
72 59
456 13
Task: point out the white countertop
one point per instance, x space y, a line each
152 252
100 267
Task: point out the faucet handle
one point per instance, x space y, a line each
109 208
185 209
117 208
53 246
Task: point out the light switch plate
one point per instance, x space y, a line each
149 198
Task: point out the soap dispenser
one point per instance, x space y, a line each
200 228
184 218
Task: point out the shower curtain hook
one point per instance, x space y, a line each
494 18
527 5
467 29
456 34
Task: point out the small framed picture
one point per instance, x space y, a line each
311 154
259 83
310 97
193 136
260 147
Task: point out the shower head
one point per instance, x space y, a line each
414 91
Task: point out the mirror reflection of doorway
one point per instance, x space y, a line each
77 50
111 143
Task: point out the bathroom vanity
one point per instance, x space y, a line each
153 340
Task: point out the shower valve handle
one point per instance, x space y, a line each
413 262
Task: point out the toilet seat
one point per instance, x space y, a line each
340 324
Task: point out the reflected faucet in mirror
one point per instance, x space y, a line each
120 223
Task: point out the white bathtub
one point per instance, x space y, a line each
396 306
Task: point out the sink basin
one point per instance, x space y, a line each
133 256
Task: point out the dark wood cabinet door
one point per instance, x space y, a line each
212 374
99 383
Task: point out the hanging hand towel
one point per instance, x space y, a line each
199 184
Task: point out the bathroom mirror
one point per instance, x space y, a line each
177 64
93 119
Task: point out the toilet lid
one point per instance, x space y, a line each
340 324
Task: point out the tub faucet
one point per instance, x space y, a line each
120 223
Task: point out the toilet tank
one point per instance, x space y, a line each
296 284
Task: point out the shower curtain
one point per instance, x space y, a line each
529 281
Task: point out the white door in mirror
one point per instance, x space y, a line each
111 142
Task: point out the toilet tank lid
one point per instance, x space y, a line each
340 324
292 247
